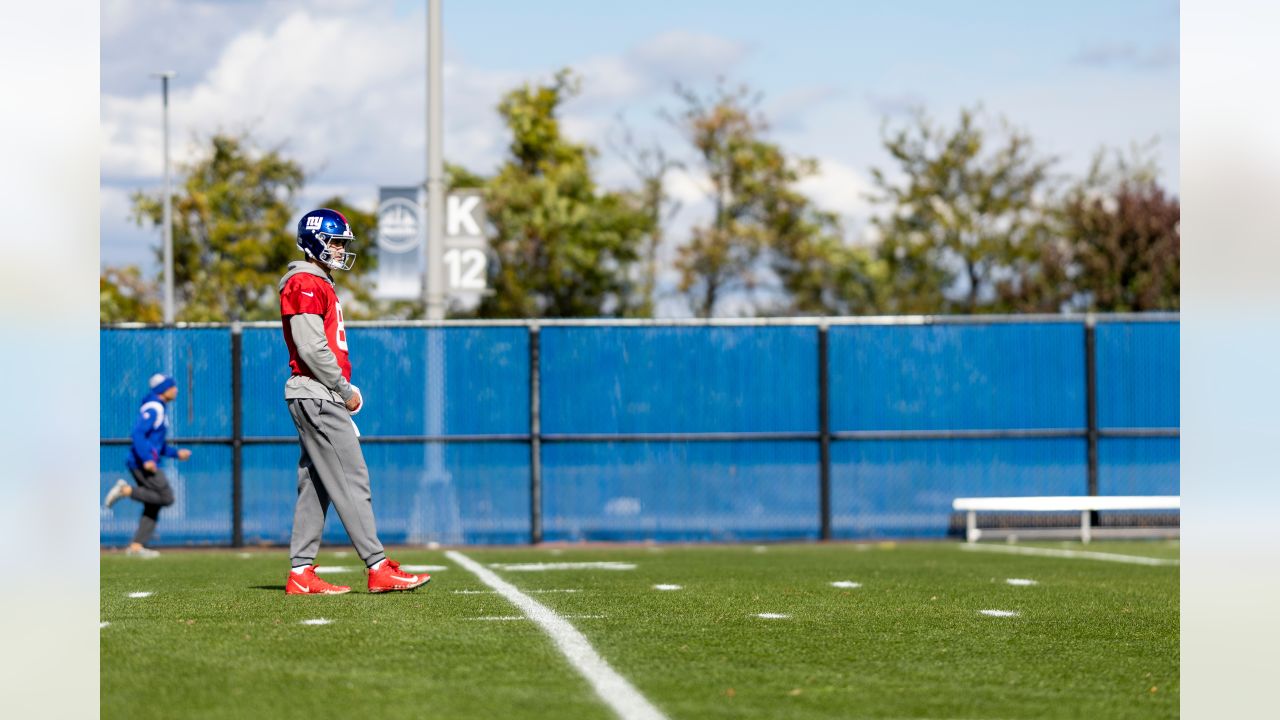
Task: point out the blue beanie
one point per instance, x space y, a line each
161 382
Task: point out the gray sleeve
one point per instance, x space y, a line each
313 349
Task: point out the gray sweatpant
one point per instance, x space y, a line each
153 492
331 469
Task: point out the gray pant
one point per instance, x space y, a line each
331 469
153 492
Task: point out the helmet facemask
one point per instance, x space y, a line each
335 254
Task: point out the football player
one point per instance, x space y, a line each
322 400
148 446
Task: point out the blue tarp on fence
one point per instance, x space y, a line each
616 404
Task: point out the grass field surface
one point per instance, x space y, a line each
779 631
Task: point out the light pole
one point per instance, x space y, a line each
433 282
168 202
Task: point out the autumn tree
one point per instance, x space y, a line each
234 233
231 230
766 240
1123 229
650 164
965 225
563 245
125 296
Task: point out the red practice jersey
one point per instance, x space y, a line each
304 293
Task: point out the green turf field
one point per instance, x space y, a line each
218 638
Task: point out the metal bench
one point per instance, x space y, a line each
1085 505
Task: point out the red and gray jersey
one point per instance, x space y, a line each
302 292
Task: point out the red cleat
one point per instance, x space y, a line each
390 578
308 583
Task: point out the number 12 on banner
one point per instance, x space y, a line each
466 268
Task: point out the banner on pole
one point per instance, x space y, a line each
401 229
402 234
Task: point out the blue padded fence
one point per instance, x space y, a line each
675 432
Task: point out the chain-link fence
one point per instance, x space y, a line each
636 430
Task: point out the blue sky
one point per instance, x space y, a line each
342 82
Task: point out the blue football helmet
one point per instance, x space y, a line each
323 234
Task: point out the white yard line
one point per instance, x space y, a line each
1072 554
522 617
999 613
541 567
612 688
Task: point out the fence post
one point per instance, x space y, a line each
535 438
1091 402
237 439
824 433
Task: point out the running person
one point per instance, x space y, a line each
148 446
322 400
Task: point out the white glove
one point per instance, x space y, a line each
362 401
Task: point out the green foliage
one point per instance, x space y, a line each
764 234
231 230
124 296
1125 237
650 165
965 227
233 233
563 245
724 130
971 221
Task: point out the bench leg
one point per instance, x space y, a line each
971 527
1085 534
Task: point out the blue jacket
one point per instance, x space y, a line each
149 433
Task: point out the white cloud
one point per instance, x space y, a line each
123 242
789 112
343 91
1127 55
689 187
687 56
838 188
653 67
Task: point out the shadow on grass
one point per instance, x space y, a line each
277 588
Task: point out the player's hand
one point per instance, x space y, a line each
184 454
149 466
355 401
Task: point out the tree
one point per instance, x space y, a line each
563 246
765 237
966 227
124 296
724 130
650 164
823 275
234 235
231 230
1124 233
